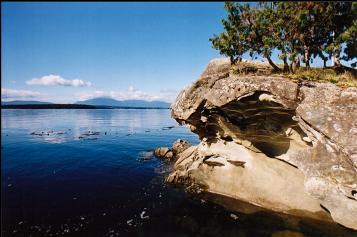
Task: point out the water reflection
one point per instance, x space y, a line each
76 122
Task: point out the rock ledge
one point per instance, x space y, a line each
289 146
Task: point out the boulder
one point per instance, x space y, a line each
180 145
164 152
285 145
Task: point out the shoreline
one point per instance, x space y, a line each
71 106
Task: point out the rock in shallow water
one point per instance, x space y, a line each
180 145
170 154
163 152
289 146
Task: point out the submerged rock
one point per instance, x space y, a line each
288 146
146 155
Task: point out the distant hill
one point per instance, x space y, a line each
105 101
102 102
50 106
24 102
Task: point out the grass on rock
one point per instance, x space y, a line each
343 78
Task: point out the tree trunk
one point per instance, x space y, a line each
307 57
298 62
336 59
276 68
292 66
286 65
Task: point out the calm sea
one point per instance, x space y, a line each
92 173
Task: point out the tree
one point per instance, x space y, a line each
296 29
244 33
342 26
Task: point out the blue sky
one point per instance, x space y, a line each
148 50
65 52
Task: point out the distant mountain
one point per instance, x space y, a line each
105 101
24 102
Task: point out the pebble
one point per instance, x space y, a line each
142 215
234 216
129 222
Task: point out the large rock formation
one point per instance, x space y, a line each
288 146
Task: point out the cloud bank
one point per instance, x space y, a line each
56 80
11 94
130 94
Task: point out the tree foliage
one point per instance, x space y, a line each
300 31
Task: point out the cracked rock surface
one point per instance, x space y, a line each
288 146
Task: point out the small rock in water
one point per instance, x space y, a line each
234 216
146 155
168 128
92 138
142 215
129 222
164 152
89 133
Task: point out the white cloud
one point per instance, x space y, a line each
11 94
130 94
56 80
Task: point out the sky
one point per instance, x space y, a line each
68 52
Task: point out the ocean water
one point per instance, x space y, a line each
92 173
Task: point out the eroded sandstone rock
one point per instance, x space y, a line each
289 146
172 153
163 152
180 145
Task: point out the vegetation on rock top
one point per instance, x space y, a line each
300 31
340 78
